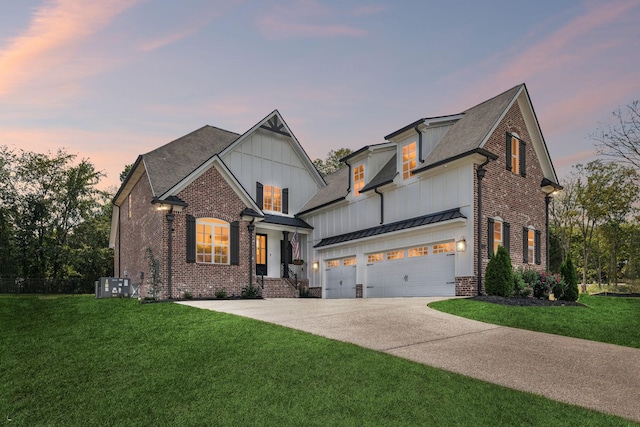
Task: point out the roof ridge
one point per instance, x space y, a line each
494 97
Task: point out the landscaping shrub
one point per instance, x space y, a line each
499 274
549 282
521 288
570 277
221 293
250 291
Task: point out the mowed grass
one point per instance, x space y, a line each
612 320
78 361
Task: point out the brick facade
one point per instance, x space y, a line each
209 196
515 199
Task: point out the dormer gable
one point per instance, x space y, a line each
365 164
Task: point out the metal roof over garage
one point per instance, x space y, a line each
395 226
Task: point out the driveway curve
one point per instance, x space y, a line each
590 374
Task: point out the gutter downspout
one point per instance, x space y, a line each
547 200
251 227
419 144
381 204
480 172
119 243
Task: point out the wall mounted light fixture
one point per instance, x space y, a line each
461 245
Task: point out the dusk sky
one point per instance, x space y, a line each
112 79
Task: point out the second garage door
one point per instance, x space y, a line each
427 270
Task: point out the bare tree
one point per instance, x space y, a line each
620 140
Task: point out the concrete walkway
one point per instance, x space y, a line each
594 375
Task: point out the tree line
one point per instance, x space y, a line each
54 223
594 219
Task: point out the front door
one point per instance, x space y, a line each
261 254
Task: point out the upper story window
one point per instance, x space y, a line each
516 150
212 241
408 159
272 198
358 179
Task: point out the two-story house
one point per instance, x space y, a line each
417 215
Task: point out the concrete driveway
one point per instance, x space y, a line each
599 376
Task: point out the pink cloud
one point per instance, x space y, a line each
54 33
300 19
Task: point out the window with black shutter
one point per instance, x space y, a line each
259 194
285 200
490 222
235 243
506 238
538 247
525 245
191 238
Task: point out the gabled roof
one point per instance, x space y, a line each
471 131
396 226
169 164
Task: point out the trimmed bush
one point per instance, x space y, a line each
499 274
570 277
521 289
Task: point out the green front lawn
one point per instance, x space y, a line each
612 320
78 361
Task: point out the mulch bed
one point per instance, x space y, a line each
526 302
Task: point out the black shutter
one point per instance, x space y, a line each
259 195
508 150
525 245
522 151
234 243
490 221
506 238
285 200
191 238
537 247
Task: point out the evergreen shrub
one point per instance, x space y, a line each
499 274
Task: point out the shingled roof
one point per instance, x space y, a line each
166 166
470 132
336 190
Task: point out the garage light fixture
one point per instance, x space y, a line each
316 265
461 245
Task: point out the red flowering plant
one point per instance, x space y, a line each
547 283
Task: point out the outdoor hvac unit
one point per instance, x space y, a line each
115 287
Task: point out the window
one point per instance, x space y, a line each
349 261
442 248
419 251
516 149
395 255
358 179
531 245
515 155
374 258
272 199
212 241
333 263
408 159
497 235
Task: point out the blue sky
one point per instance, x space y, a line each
109 80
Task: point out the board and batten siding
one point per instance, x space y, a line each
269 158
452 187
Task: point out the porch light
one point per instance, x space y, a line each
171 204
461 245
316 265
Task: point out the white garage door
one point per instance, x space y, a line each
427 270
341 278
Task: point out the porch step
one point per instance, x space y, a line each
280 288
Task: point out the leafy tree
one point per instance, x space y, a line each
564 215
332 162
499 274
621 140
605 194
125 172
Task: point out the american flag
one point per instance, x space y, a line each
295 245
